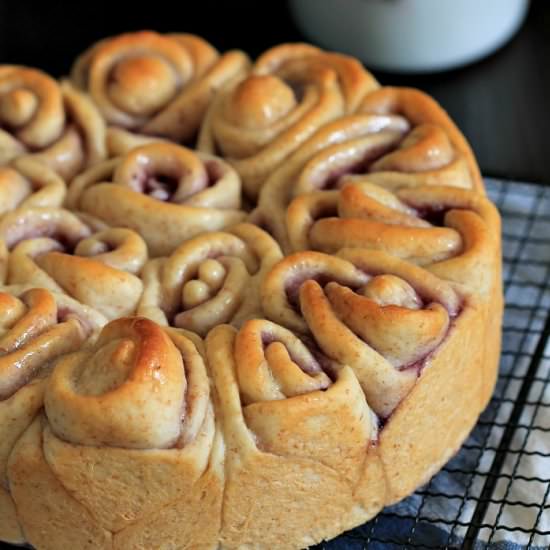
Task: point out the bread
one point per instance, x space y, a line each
54 249
165 192
146 83
131 479
256 344
36 327
293 89
402 138
26 182
48 120
454 160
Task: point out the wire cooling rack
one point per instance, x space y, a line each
497 488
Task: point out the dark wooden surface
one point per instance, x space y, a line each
501 103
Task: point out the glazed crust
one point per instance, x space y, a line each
371 311
126 485
209 280
383 146
54 249
293 89
146 83
462 237
51 122
420 109
165 192
318 289
36 328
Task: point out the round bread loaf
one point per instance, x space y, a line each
259 343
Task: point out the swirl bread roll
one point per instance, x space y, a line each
452 232
54 249
210 280
36 328
386 144
381 316
282 407
257 122
165 192
434 152
26 182
149 84
130 434
404 333
49 121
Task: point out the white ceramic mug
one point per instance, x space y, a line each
411 35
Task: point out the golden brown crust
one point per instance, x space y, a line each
141 398
374 148
54 249
268 460
354 80
51 122
131 434
364 292
153 84
36 328
209 280
453 232
165 192
258 121
423 113
365 309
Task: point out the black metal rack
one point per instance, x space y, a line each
478 497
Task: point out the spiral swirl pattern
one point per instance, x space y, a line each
282 404
54 249
165 192
97 397
51 122
131 415
153 84
448 229
435 151
374 312
211 279
292 91
275 364
336 151
389 143
36 328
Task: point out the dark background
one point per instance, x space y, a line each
501 103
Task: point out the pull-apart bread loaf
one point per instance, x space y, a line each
242 304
